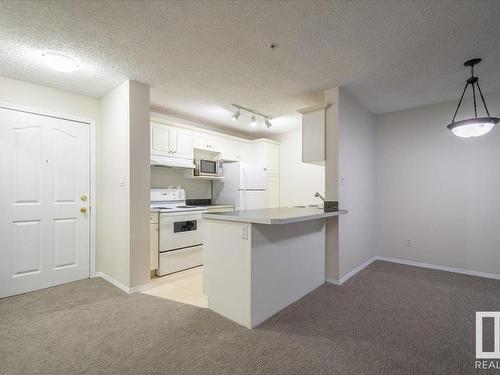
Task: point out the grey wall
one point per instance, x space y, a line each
350 179
441 191
356 162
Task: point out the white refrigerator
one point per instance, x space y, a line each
244 185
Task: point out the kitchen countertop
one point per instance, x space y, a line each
208 206
219 205
279 215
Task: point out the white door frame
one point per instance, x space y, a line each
93 172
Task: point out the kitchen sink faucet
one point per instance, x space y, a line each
318 195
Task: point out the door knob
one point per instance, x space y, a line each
83 210
83 198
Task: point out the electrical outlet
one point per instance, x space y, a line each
409 242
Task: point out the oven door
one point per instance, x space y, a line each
180 230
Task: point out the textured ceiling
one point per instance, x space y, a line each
200 56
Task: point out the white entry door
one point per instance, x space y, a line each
44 201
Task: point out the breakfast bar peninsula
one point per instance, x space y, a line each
257 262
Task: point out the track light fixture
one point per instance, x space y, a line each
253 119
253 122
477 126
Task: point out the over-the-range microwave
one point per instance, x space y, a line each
206 167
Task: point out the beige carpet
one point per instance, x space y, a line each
388 319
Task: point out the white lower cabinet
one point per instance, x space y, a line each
154 241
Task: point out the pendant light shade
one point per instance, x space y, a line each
477 126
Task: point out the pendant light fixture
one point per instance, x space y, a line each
477 126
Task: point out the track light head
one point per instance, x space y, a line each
253 122
236 115
268 123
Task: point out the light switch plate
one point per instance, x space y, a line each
244 232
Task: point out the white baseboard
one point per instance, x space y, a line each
141 288
119 285
440 268
415 264
352 273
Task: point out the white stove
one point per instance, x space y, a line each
171 200
180 231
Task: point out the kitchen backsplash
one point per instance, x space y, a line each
162 177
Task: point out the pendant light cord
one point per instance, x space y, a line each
482 98
473 81
460 102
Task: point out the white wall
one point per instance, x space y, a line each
195 189
140 185
441 191
356 183
123 212
298 181
40 97
113 210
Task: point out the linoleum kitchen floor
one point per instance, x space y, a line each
388 319
185 287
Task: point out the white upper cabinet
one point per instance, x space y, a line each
227 149
236 150
170 141
313 134
243 151
182 143
207 142
160 140
267 152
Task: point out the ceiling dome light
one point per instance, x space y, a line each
60 62
253 122
268 123
236 115
474 127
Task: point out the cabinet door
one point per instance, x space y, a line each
273 190
207 142
160 140
182 143
154 246
228 149
244 151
